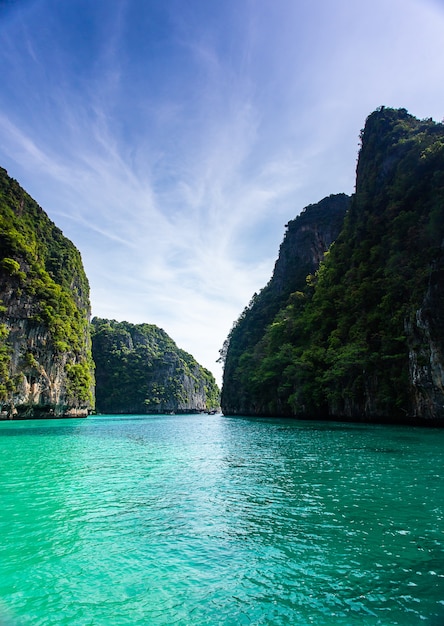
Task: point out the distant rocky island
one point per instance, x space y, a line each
351 324
140 369
46 349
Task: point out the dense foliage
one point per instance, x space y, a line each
139 369
42 282
342 346
306 240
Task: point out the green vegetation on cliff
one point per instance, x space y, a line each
139 369
45 353
364 338
307 238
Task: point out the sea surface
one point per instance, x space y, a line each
198 519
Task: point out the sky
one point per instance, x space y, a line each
172 140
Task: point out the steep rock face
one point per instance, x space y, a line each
45 348
364 340
139 369
397 216
307 239
425 336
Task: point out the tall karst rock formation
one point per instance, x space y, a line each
46 366
307 239
363 338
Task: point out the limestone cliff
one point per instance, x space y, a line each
364 338
45 348
306 240
425 333
139 369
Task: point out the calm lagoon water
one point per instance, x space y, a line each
217 520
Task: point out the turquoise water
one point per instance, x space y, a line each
218 520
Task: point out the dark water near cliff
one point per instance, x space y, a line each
214 520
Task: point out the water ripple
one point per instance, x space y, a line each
211 520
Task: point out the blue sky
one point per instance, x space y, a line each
171 140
